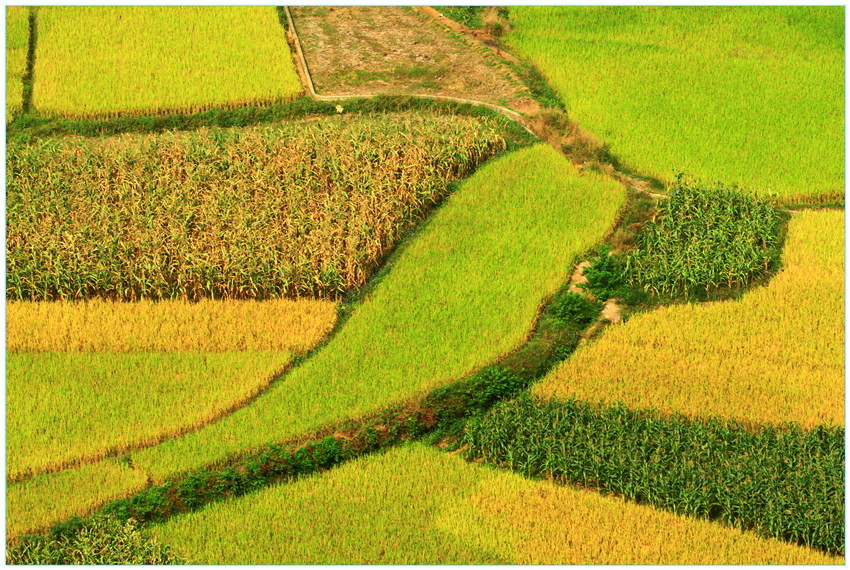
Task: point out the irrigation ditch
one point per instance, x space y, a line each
649 458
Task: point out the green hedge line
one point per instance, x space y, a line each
781 482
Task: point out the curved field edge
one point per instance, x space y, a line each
774 356
415 505
460 294
67 408
211 56
767 114
43 500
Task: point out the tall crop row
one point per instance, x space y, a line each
787 484
305 209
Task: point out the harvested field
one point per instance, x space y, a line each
397 50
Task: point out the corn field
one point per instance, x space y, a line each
141 60
264 212
786 484
703 238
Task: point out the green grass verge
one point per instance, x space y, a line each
414 505
787 484
752 95
462 293
64 406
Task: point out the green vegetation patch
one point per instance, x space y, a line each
783 483
109 60
285 209
705 237
746 95
17 44
463 292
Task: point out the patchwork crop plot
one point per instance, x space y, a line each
775 356
415 505
110 390
256 213
397 50
753 96
149 60
462 293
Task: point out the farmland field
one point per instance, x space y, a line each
415 505
146 60
17 36
98 376
463 292
776 355
753 96
45 499
284 209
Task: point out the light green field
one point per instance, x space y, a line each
415 505
47 499
463 292
62 406
775 356
753 96
17 36
98 60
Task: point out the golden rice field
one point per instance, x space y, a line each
77 388
416 505
94 325
107 61
17 38
461 294
776 355
46 499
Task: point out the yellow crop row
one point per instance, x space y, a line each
415 505
17 37
100 60
776 355
167 326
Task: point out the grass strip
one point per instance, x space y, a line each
17 42
782 483
460 295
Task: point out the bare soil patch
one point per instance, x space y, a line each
369 50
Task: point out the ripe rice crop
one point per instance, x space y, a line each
415 505
776 355
46 499
287 209
107 61
63 406
17 38
752 96
460 294
167 326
